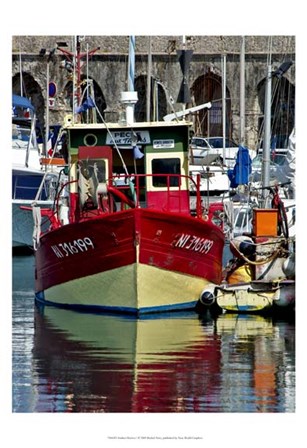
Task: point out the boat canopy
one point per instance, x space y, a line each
22 102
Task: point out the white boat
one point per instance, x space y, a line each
213 175
204 147
32 181
256 296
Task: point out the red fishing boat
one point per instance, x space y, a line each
127 242
123 235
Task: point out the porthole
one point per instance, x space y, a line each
90 140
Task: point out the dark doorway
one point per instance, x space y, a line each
209 122
158 103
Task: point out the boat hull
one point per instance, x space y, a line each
135 261
22 222
256 296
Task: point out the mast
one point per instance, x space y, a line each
75 57
185 57
20 74
242 91
47 109
148 95
267 131
130 98
131 64
224 104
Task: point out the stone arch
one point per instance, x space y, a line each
208 122
32 90
158 103
98 96
282 110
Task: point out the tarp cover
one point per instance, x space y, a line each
240 173
23 102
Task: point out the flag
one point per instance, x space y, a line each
137 153
49 147
87 104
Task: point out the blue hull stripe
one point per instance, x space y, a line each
118 309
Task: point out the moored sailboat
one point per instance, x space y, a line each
261 276
32 181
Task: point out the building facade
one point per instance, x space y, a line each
170 74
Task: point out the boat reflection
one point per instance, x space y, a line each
166 363
111 363
259 349
244 325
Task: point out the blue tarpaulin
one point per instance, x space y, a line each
239 175
22 102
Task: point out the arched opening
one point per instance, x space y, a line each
26 85
158 103
209 122
282 111
90 88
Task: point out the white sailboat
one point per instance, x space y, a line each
31 183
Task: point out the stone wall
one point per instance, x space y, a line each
108 67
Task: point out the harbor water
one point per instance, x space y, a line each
69 362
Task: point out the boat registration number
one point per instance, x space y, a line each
194 243
73 247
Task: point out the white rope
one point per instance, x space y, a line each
36 212
110 134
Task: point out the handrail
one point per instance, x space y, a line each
169 188
117 190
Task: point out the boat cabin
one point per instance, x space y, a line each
144 166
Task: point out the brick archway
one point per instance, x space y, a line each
208 87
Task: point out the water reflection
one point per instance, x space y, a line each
64 361
257 362
98 363
136 365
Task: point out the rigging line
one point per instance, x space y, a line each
110 134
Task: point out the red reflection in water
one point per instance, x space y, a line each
76 380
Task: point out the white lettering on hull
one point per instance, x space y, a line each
62 250
194 243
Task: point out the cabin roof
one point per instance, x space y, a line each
135 125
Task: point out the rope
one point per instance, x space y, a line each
110 134
279 252
36 212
